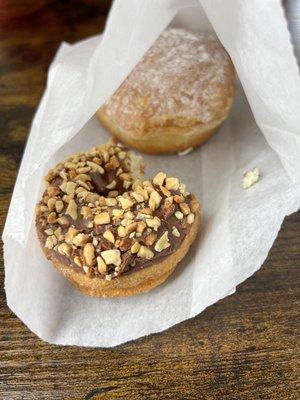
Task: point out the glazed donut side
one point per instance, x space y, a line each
175 98
140 281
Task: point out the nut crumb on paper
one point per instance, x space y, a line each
250 177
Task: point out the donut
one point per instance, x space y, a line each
175 98
106 230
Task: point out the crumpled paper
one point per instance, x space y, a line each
238 227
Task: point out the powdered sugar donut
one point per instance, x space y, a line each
176 97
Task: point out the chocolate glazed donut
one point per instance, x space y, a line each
110 233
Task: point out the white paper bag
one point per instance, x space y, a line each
238 227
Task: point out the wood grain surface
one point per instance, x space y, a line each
243 347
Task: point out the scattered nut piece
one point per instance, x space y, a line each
250 178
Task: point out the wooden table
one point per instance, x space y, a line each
243 347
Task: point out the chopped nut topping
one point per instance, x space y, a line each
150 239
82 178
112 185
159 179
168 209
51 241
95 167
72 232
63 221
118 213
141 225
179 198
78 261
172 183
112 257
89 254
165 191
108 235
135 247
130 228
72 209
154 201
51 218
144 252
52 191
102 218
178 215
49 232
175 232
162 243
59 205
65 249
83 170
184 208
125 203
70 187
191 218
138 197
121 231
153 223
80 240
51 204
86 211
101 266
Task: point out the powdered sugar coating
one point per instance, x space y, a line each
183 79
